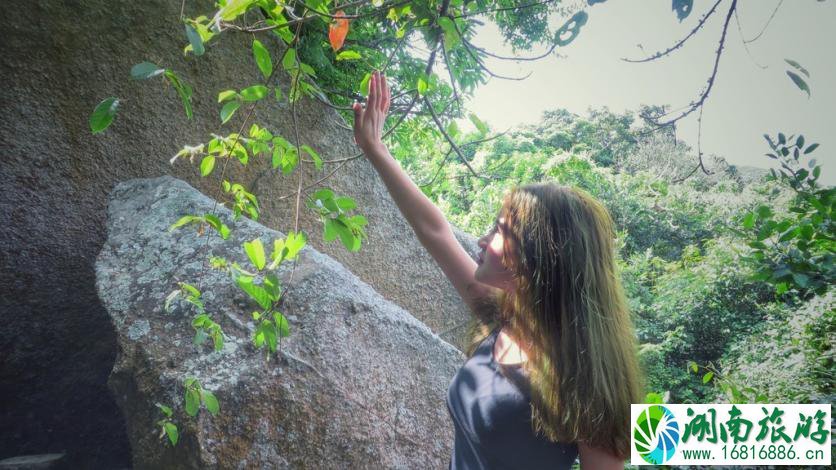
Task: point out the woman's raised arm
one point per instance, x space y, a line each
427 220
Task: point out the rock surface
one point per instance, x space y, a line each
61 58
360 383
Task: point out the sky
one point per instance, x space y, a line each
746 101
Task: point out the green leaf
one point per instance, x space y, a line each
282 326
708 376
200 337
258 293
270 335
749 220
798 67
289 59
207 165
216 223
255 251
165 409
254 93
314 156
693 366
183 90
349 55
192 402
478 123
103 115
764 211
218 339
799 82
331 231
262 58
421 86
781 288
172 433
451 36
349 240
289 160
186 219
233 9
364 84
273 286
323 194
453 129
345 203
801 279
294 242
228 110
811 148
195 40
226 95
145 70
210 401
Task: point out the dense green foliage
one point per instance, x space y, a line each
698 266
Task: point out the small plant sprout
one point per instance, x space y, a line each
195 395
167 427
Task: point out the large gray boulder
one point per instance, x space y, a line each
60 58
359 383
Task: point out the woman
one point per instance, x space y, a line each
555 377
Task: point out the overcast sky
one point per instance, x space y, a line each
746 101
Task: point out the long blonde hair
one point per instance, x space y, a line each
570 311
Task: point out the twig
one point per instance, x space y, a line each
450 150
517 59
451 141
682 41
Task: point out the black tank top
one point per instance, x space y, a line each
490 404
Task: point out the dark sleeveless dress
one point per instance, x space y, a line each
489 403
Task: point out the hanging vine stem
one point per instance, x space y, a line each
747 41
745 45
699 153
450 150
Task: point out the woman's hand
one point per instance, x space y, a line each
368 121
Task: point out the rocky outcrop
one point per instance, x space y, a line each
359 383
60 58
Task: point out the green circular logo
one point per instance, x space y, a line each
656 434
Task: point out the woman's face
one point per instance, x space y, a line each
490 269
